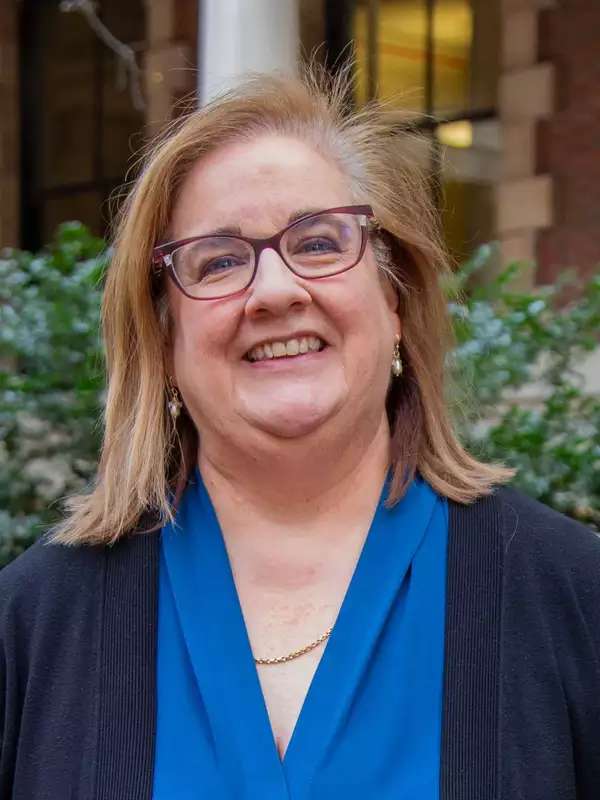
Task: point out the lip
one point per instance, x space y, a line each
284 338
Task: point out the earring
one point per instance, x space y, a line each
174 403
397 360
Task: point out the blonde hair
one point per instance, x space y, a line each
146 459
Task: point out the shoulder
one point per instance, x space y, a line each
545 555
518 524
538 547
49 581
530 528
47 577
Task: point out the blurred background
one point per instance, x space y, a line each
507 96
508 92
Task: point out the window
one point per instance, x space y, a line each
439 60
79 125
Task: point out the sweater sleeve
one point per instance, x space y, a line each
551 670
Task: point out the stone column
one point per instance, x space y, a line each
524 196
236 36
9 125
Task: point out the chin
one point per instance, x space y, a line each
291 422
292 411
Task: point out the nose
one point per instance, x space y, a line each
275 289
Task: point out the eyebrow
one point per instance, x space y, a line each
302 213
235 230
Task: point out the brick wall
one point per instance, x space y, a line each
568 142
9 125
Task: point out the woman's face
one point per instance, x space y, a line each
257 187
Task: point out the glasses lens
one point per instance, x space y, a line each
324 244
214 267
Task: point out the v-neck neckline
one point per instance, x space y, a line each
217 640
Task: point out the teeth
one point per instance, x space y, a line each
290 348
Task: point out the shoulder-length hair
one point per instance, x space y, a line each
146 458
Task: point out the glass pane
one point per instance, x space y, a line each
79 126
485 54
361 45
120 119
401 39
452 36
470 167
465 34
65 114
85 206
465 57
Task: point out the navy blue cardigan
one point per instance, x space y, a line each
521 717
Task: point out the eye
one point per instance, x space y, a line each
317 245
219 264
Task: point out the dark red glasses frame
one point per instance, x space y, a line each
161 254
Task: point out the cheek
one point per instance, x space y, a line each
370 324
201 336
200 365
188 335
367 313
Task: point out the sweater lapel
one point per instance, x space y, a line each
469 768
127 701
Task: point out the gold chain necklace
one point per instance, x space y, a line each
295 653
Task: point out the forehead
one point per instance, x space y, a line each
256 185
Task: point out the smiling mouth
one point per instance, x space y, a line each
285 349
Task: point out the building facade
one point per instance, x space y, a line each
506 93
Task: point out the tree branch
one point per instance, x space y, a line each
127 61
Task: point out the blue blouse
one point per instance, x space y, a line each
370 725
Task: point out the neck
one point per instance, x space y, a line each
297 483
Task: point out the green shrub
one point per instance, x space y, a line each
509 341
51 380
51 383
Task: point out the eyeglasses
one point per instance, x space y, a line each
315 246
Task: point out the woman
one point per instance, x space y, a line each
290 580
